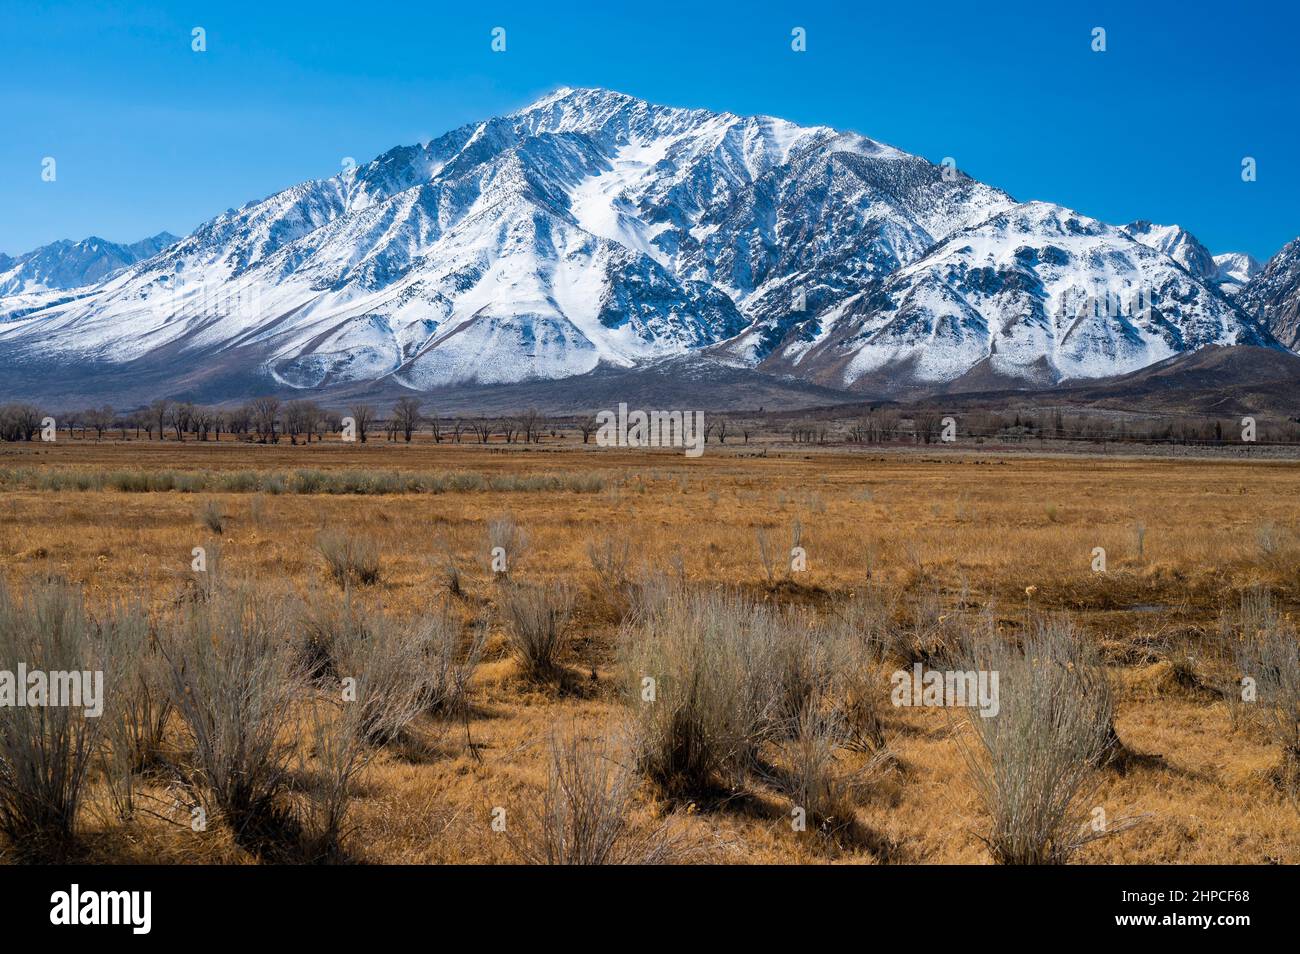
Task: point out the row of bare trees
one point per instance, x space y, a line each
269 420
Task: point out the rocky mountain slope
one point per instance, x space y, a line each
592 230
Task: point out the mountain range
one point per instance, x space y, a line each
595 234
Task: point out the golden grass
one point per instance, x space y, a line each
980 529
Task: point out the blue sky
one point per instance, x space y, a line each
149 135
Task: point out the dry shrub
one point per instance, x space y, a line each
451 660
408 667
537 627
809 658
211 516
138 706
351 559
383 668
611 560
585 813
1034 761
234 683
506 534
1268 654
45 750
449 570
866 621
816 776
340 752
715 691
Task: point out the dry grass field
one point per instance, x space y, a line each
923 543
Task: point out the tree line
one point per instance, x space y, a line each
268 420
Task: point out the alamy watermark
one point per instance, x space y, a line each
35 688
624 428
976 689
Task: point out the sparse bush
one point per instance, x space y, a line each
451 575
585 813
45 750
387 662
452 660
865 621
537 626
507 538
1268 654
212 517
814 776
138 705
234 685
1035 758
350 558
302 481
808 658
766 556
714 695
340 753
611 560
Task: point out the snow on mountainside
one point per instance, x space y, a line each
1037 292
1229 272
37 276
594 229
1273 295
1179 244
1234 270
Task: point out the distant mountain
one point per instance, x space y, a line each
1179 244
1228 272
1273 295
1037 294
64 264
592 230
1234 271
38 277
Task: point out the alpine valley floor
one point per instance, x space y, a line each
936 536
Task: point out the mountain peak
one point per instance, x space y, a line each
592 228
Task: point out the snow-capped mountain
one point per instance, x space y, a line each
1179 244
592 229
1037 292
1234 270
1228 272
64 265
1273 295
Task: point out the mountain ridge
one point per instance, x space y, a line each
593 229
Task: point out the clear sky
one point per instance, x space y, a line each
149 135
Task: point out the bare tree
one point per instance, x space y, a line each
327 423
293 420
533 425
181 418
161 410
241 421
202 421
926 424
587 426
265 415
406 416
142 420
363 417
99 418
19 422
